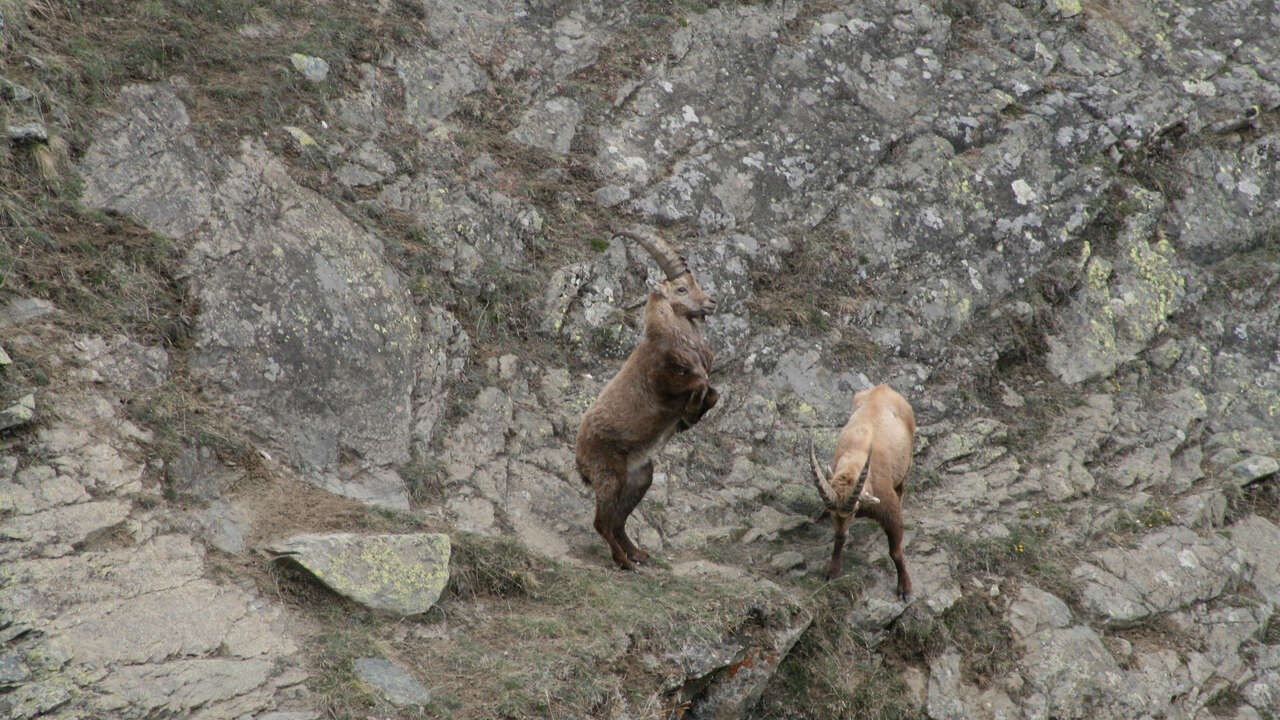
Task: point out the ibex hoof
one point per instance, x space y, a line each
640 556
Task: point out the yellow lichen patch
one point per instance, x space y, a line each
404 574
1155 286
303 138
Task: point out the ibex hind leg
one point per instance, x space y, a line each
609 486
892 523
638 482
606 511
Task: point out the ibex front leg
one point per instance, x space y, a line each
840 525
697 406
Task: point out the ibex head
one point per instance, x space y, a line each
857 494
680 288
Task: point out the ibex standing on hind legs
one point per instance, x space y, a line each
662 388
869 473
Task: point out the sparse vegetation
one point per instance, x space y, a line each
835 671
1271 631
500 312
425 480
491 567
105 273
916 637
976 625
1031 550
91 50
1225 702
1152 515
521 636
828 261
1256 499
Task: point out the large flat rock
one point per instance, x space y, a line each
402 574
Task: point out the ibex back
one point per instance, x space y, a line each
662 388
869 473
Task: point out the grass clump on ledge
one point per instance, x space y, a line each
835 671
520 635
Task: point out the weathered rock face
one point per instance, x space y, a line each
104 612
1171 569
304 326
724 679
1122 304
1052 226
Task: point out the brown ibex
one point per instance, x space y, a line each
869 473
663 388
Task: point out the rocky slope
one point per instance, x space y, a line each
383 290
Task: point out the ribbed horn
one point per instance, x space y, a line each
820 480
850 504
667 258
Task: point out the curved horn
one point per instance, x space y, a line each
850 504
820 480
668 259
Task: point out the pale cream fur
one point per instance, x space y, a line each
881 427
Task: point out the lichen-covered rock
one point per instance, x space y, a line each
447 347
1034 610
1125 300
402 574
1071 674
1252 469
434 82
123 363
19 413
1256 538
312 68
155 127
549 126
1227 202
1171 569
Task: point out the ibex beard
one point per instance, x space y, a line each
663 388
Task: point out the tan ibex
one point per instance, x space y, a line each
662 388
869 473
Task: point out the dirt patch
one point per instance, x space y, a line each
281 506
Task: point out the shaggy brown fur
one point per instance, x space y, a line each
882 428
662 389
